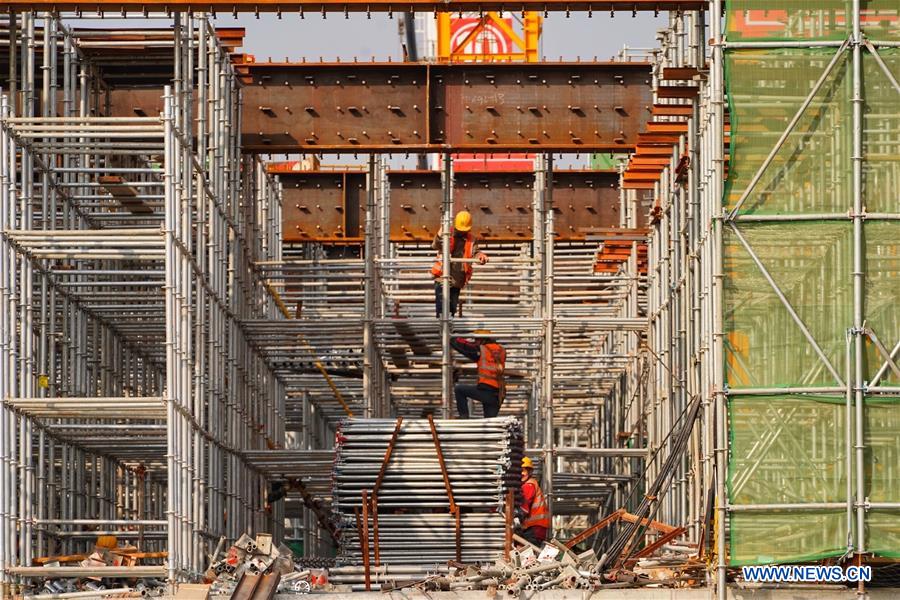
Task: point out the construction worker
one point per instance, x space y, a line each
462 246
491 359
533 513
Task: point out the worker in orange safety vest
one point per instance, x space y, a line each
533 514
462 246
491 359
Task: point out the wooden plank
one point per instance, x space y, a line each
126 195
651 548
63 558
605 522
192 591
140 555
654 525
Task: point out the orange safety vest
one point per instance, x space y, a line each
491 361
437 269
539 515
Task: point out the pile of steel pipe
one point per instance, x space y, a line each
417 478
429 539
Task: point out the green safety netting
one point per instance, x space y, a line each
810 262
811 172
787 450
793 448
882 294
797 20
882 441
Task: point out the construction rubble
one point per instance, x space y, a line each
258 568
90 578
533 569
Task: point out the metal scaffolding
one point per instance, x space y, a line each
130 391
721 358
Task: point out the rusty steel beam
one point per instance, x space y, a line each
326 206
416 107
413 107
347 6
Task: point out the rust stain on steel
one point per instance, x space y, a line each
545 104
322 205
402 107
352 5
500 202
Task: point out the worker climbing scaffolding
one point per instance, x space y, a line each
463 248
483 349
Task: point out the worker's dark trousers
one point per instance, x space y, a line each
439 299
488 396
535 535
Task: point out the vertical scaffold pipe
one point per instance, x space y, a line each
170 334
446 217
718 141
369 292
547 167
858 275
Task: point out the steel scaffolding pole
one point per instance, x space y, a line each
717 101
446 221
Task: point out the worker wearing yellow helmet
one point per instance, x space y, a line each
462 246
482 349
533 514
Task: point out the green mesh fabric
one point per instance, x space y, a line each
759 20
786 450
882 293
810 263
809 173
882 432
790 448
765 538
880 119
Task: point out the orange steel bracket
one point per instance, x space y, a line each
364 540
374 500
454 508
387 457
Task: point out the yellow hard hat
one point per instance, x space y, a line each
463 221
482 332
526 463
